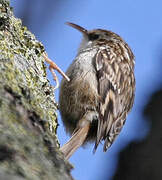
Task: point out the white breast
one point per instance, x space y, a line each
83 69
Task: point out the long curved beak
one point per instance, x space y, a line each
79 28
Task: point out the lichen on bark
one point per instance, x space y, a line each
28 147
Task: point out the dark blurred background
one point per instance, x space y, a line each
136 154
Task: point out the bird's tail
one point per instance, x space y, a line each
76 140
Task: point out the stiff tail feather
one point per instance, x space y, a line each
75 141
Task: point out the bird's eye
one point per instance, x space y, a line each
93 36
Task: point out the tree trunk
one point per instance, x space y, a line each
29 148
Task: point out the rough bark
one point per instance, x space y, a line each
29 148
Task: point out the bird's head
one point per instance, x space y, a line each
92 37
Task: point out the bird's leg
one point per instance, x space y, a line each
52 67
54 77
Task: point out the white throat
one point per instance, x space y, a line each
85 43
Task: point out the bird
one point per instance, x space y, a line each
95 102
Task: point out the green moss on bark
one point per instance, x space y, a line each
28 119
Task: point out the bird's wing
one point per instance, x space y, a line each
116 90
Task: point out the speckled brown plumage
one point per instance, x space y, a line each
101 90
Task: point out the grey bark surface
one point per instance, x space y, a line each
29 148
